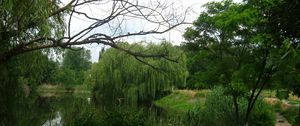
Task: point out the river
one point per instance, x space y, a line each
73 109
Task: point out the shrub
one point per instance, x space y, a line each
282 94
85 119
218 111
118 117
291 114
124 118
193 117
262 115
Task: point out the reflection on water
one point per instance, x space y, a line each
74 109
56 121
62 106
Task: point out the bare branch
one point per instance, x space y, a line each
119 12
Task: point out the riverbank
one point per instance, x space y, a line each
183 100
52 90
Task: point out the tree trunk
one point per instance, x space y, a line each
237 115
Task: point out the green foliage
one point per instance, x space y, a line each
180 102
90 80
236 90
121 116
288 76
124 118
277 107
282 94
241 46
77 59
19 78
75 63
22 21
202 72
291 114
66 77
230 40
285 13
119 77
218 106
263 115
220 58
73 69
85 118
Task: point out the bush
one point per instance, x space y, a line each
79 115
119 117
262 115
219 111
291 114
85 119
193 117
282 94
124 118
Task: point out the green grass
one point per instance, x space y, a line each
60 89
182 100
294 102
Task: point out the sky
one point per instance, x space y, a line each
194 8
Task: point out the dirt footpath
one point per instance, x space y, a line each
281 121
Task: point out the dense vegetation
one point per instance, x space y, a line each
123 78
232 50
237 45
19 79
72 69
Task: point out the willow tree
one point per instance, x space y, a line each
37 25
119 77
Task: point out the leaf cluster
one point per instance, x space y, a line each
121 76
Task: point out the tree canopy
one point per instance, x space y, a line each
119 76
245 47
74 65
35 25
78 59
240 46
41 28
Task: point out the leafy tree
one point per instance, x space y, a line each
19 78
21 22
66 77
119 77
30 27
35 25
219 107
235 43
77 61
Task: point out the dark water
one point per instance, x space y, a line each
61 106
68 108
49 109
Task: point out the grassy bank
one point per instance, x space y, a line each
47 89
183 100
